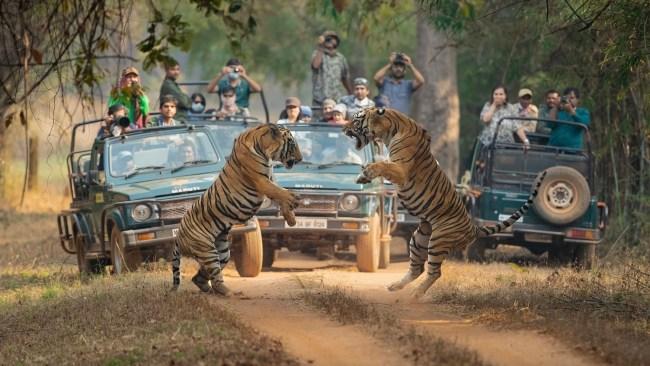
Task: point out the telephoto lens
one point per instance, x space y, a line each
124 121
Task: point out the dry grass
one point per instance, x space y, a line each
605 312
49 317
419 347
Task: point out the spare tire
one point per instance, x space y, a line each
563 196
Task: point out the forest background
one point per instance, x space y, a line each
60 58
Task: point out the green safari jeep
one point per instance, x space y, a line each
566 219
335 211
130 192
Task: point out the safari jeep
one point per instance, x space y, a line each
335 211
566 219
130 192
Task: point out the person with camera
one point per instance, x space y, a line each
170 87
116 123
330 71
168 108
234 75
395 87
359 100
229 107
130 94
565 135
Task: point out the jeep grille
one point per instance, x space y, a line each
314 203
175 210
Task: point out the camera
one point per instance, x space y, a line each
399 58
235 69
123 122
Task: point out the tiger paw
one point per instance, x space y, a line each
289 216
201 283
422 288
362 179
409 277
219 288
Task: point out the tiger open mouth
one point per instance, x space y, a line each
290 163
358 142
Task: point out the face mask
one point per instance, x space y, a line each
197 107
233 75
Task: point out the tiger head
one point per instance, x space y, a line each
279 145
367 125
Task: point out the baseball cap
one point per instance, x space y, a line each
130 70
361 81
341 108
330 33
293 101
306 111
329 103
525 91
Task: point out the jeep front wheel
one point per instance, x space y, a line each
249 252
368 246
123 259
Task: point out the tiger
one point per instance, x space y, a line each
424 190
234 197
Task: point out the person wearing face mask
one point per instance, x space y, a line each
235 76
198 104
291 113
330 71
130 94
395 87
229 107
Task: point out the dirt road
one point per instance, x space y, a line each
269 303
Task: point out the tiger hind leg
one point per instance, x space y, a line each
438 250
201 280
417 255
218 260
176 267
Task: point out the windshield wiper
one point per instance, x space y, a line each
140 169
337 163
190 163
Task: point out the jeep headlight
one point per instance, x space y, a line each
141 212
349 202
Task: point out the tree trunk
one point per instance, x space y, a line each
436 102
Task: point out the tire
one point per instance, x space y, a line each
86 266
384 251
475 252
585 256
269 256
368 246
123 260
563 196
249 253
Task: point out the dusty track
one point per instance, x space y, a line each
269 303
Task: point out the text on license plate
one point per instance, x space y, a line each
175 232
308 223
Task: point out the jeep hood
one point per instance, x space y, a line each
165 186
312 180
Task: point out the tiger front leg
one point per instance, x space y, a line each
392 171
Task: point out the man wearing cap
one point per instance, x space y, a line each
170 87
394 87
359 100
130 94
330 71
234 75
306 113
291 112
526 109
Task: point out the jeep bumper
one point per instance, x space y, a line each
325 225
521 233
166 234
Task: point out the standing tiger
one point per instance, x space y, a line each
424 190
233 198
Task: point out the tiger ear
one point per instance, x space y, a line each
275 130
380 111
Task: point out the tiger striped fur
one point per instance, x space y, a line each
424 190
233 198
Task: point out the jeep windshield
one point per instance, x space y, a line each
225 134
140 154
326 148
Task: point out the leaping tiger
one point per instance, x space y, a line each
424 190
233 198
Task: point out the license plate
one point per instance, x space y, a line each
175 232
401 217
308 223
539 238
